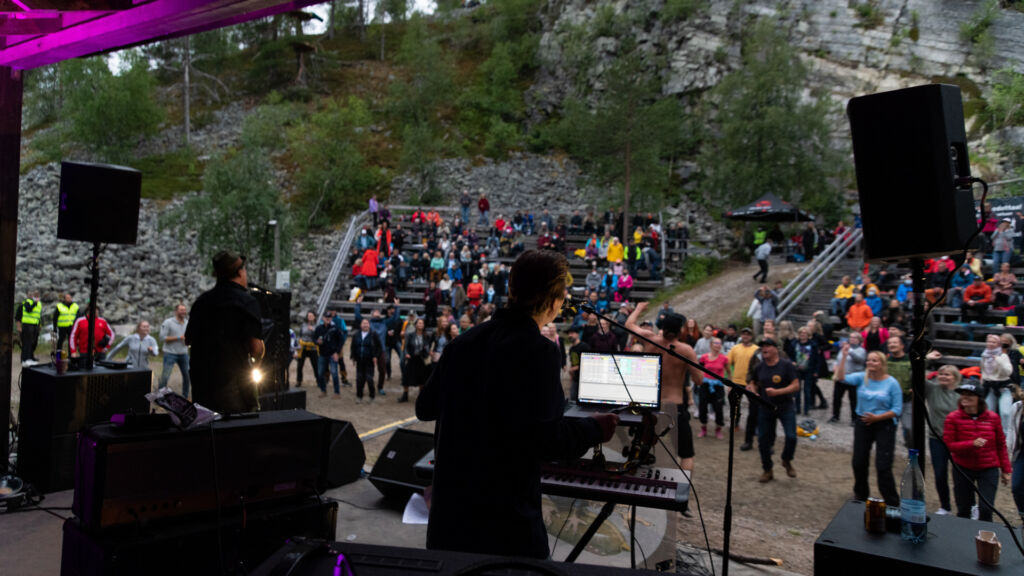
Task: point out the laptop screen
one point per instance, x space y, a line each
601 382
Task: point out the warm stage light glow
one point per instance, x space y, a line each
257 376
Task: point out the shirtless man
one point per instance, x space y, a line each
673 369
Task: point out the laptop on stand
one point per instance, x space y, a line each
609 381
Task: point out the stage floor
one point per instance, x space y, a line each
30 542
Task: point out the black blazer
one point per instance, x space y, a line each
497 397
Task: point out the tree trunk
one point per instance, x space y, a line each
361 21
626 232
188 65
331 15
382 29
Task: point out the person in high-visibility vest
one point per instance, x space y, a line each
64 316
759 236
26 317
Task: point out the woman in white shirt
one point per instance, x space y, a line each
995 379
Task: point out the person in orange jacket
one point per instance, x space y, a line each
859 315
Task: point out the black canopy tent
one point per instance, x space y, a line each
769 208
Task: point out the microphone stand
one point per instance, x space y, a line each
736 393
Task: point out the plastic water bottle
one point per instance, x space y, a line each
912 511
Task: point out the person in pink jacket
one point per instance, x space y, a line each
974 435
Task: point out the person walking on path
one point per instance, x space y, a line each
761 254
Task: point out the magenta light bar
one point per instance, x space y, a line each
156 19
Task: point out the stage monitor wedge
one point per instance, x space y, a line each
910 148
99 203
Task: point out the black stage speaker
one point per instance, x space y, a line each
844 548
99 203
345 454
276 310
126 478
393 473
54 408
247 537
909 147
294 399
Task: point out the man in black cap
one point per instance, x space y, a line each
224 333
776 381
673 374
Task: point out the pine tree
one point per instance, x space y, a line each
765 136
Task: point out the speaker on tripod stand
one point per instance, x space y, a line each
910 150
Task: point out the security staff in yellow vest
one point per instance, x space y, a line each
26 317
64 317
759 236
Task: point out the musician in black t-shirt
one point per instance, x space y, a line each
224 331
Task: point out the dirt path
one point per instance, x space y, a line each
725 298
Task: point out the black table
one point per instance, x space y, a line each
846 548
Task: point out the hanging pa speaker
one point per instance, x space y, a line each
99 203
910 150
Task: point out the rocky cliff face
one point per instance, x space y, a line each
913 42
137 282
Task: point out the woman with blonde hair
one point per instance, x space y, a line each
879 405
942 398
996 384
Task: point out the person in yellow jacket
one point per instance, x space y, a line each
26 318
616 251
842 297
64 316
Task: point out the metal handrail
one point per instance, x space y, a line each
339 262
809 270
812 275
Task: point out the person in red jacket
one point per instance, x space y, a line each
475 292
370 258
974 435
977 299
484 207
103 338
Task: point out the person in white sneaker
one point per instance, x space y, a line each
942 397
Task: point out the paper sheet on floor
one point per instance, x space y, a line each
415 510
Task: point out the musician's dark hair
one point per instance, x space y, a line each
537 279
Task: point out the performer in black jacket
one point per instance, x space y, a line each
497 398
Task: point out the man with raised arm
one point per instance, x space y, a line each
673 392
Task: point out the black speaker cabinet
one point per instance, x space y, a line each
99 203
246 538
294 399
131 477
345 454
276 310
393 473
54 408
844 548
910 147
